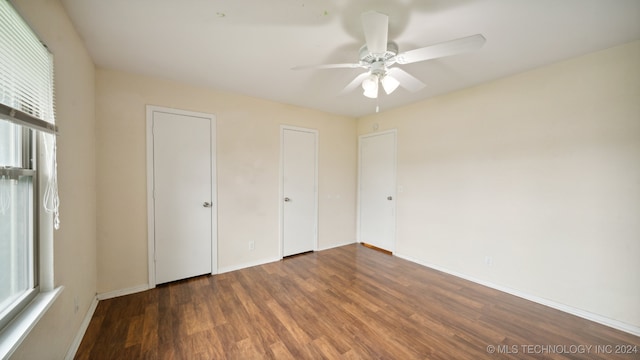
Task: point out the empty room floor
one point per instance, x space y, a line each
350 302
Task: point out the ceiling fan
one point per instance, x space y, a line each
379 55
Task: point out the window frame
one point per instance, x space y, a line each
28 167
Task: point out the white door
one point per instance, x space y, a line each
183 196
377 190
299 175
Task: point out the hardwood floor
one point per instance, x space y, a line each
350 302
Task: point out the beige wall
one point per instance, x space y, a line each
540 171
248 160
75 242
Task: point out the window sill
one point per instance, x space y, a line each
18 329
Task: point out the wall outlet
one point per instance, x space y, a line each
252 245
488 260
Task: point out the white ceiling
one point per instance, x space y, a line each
250 46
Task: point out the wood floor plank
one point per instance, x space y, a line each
134 331
280 351
149 342
349 302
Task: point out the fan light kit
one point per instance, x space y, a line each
378 56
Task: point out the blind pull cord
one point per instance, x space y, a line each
51 200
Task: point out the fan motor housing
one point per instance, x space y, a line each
367 57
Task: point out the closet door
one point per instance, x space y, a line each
299 189
183 195
377 190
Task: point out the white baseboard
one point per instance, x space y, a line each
266 261
616 324
71 353
226 269
123 292
337 245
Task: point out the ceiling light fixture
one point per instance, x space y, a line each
389 83
370 86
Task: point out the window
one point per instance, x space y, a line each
18 219
28 185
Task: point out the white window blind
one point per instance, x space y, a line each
26 74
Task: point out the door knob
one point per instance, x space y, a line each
207 204
287 199
389 197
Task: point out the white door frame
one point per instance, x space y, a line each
150 189
281 190
395 168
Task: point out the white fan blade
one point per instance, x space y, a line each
406 80
327 66
376 28
354 83
447 48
